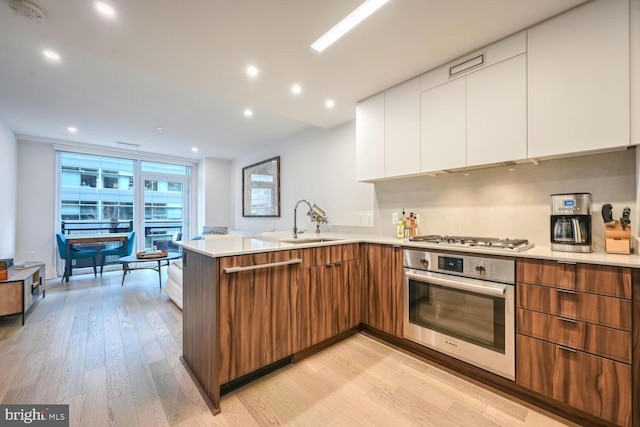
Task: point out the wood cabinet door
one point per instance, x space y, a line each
593 384
11 301
315 306
347 296
257 313
382 278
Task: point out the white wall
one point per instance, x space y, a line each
36 204
214 193
8 191
317 165
500 202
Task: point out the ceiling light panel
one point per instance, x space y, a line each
105 8
248 113
330 103
362 12
49 54
252 71
72 129
296 89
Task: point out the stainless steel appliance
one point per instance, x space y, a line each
463 306
489 243
571 222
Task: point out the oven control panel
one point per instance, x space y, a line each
476 267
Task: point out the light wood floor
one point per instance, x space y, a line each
112 353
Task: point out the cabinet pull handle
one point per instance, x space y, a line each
566 291
567 262
562 347
566 319
261 266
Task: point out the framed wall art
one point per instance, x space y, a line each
261 189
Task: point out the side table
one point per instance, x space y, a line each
20 291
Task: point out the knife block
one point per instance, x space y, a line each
617 240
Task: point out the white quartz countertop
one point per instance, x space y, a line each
221 247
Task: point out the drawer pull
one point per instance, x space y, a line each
572 350
566 291
566 262
566 319
261 266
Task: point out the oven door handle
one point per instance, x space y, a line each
495 290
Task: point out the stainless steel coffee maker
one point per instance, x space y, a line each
571 222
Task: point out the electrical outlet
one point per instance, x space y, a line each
394 218
32 255
361 219
370 219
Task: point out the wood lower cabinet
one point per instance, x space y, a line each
574 335
383 275
258 307
329 294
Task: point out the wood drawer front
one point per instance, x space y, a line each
347 252
547 273
256 259
604 280
593 384
602 310
597 279
11 301
607 342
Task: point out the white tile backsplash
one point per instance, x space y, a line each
510 201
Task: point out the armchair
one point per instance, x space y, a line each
74 253
123 250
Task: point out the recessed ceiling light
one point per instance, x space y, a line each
252 71
105 8
194 149
296 89
330 103
366 9
49 54
72 129
159 128
248 112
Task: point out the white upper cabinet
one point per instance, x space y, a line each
479 117
497 113
402 129
443 128
578 80
370 138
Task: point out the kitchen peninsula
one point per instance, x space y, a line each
252 305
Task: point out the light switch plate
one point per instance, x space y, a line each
394 218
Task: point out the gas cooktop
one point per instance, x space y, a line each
506 245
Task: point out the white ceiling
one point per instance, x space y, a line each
181 65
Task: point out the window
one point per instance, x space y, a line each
97 191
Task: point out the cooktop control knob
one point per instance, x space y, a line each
480 270
424 262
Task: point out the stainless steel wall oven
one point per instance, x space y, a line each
463 306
